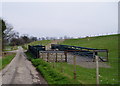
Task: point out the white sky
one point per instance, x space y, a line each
61 18
59 0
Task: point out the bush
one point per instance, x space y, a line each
37 62
50 74
29 55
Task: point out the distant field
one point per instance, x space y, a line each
43 42
10 48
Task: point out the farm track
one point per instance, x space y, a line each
21 71
48 47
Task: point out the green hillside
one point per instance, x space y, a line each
43 42
110 42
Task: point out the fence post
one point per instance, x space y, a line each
53 61
28 47
56 57
97 71
93 56
42 55
47 57
65 56
38 54
107 55
74 60
51 56
61 64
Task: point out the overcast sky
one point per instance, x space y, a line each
61 18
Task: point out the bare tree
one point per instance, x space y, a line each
25 39
33 39
42 38
47 38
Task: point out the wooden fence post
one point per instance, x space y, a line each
37 53
47 57
74 60
28 47
97 71
107 55
54 61
93 56
61 64
65 56
50 56
42 55
56 57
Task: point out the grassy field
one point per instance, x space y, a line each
43 42
110 42
87 76
83 75
5 60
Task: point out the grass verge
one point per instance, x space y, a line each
10 48
4 61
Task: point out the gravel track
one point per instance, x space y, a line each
21 71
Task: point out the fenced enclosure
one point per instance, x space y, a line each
35 50
82 51
87 53
67 61
53 56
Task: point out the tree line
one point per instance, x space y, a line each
10 37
